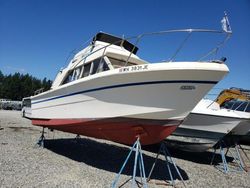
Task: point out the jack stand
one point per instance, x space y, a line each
238 148
163 149
236 155
138 158
40 142
223 158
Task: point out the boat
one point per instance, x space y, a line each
224 119
230 94
207 124
109 92
240 133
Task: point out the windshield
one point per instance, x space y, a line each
243 106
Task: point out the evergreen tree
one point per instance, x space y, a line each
18 86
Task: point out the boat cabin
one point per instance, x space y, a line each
106 52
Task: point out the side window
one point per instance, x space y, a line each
86 70
26 102
99 65
103 66
227 104
76 73
95 65
236 105
69 77
242 106
248 107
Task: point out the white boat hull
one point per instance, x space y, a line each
159 95
240 131
205 126
244 127
199 132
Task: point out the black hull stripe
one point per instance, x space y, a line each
128 85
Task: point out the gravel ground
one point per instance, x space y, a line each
65 162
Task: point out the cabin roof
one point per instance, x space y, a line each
104 37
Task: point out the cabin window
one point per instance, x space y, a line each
86 70
242 107
119 63
103 66
227 104
76 73
235 104
248 107
26 103
95 65
69 77
98 65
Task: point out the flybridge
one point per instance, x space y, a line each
104 37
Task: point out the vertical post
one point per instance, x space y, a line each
224 161
137 41
241 162
135 163
144 181
169 170
41 139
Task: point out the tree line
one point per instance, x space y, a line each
18 86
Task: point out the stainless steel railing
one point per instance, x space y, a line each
225 30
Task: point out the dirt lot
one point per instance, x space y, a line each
88 162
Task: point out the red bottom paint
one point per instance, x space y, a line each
121 130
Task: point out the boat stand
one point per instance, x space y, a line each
169 160
137 162
236 155
239 148
40 142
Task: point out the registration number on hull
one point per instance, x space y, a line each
134 68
